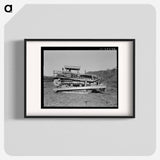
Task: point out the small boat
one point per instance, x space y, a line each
98 88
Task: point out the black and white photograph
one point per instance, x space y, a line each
79 77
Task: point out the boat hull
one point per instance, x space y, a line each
99 88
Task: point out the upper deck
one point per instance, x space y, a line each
76 68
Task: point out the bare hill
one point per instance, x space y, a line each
108 77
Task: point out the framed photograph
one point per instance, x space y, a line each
80 78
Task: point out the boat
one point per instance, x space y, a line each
70 80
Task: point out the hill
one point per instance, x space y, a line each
108 77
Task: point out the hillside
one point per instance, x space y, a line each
108 77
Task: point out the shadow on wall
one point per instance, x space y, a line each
14 79
18 50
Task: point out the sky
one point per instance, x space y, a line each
89 60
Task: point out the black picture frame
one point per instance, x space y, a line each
25 76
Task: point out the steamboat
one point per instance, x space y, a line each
70 80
